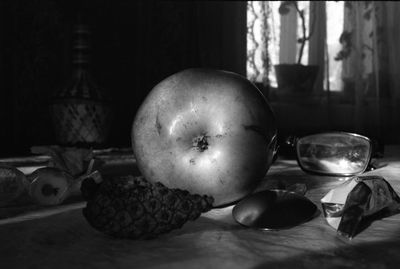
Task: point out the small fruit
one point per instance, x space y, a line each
131 207
49 186
12 184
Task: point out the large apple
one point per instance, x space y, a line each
207 131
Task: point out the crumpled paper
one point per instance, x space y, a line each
70 159
357 202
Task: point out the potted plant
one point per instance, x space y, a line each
296 78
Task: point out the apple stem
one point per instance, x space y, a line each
200 143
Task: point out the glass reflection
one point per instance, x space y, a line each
334 153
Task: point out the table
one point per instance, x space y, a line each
61 238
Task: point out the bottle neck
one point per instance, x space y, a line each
81 49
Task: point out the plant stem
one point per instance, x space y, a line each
303 25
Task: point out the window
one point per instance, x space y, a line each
272 39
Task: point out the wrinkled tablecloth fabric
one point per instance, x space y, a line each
63 239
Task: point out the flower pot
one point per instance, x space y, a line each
296 78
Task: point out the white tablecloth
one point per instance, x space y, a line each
61 238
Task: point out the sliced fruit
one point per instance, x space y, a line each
12 184
49 186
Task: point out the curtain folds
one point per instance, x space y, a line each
370 59
258 36
371 66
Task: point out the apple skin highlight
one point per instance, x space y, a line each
206 131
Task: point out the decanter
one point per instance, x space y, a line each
81 112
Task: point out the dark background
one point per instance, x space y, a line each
135 44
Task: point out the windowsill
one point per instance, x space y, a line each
275 95
321 97
311 98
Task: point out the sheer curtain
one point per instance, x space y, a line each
259 37
371 67
370 58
